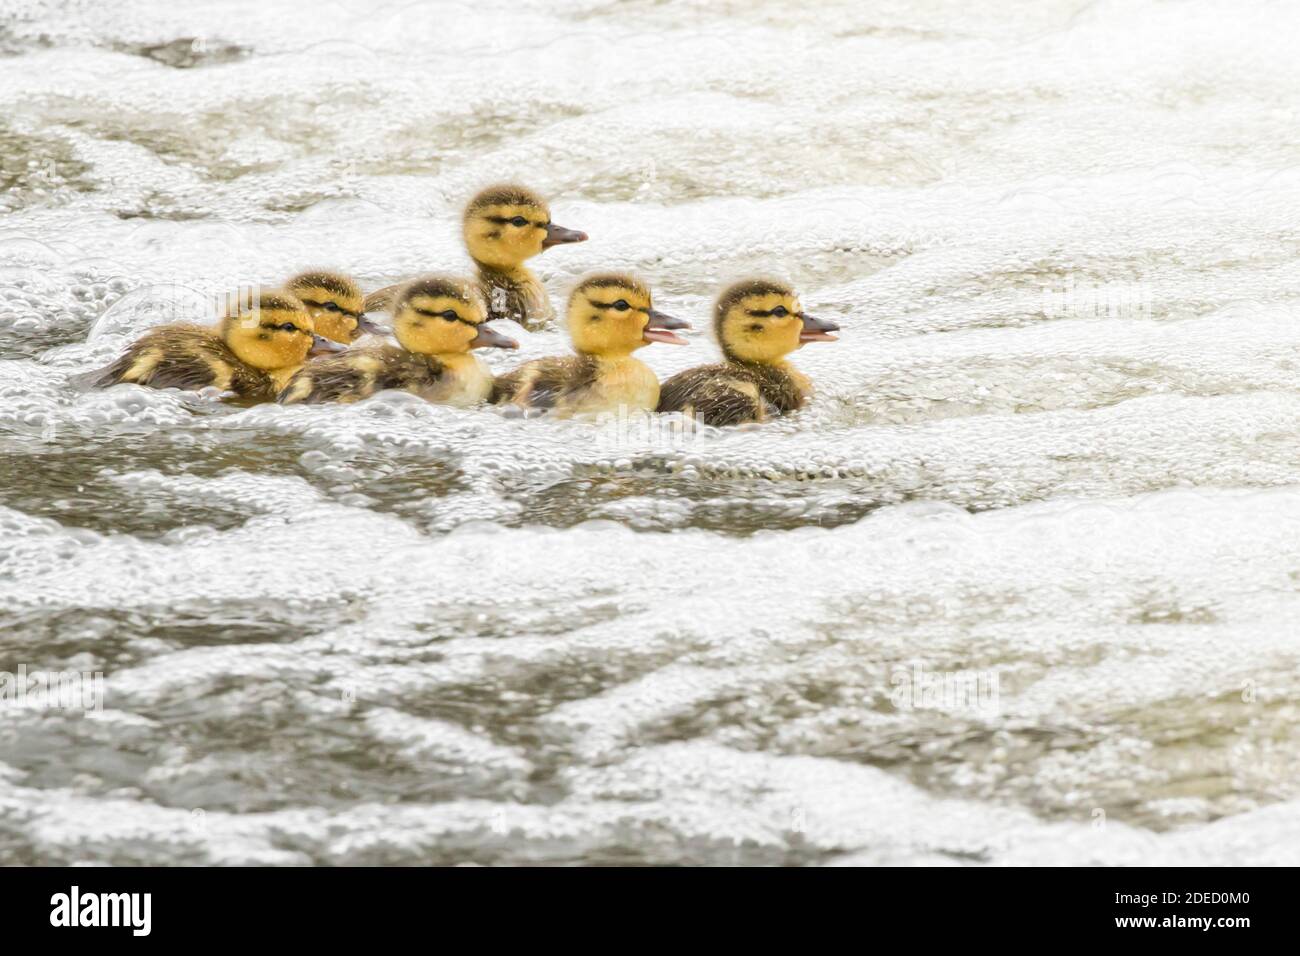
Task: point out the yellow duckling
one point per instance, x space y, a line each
610 317
335 304
504 226
757 323
254 350
437 320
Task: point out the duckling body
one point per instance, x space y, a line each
437 321
446 380
188 357
253 352
732 393
757 323
609 317
504 226
580 385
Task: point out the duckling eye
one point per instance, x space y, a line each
519 221
287 327
780 311
450 315
622 305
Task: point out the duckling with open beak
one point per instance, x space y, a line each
610 317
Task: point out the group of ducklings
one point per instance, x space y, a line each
312 342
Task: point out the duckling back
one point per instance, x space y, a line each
732 393
360 373
381 300
548 383
518 296
186 357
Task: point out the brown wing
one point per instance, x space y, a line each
187 357
381 299
117 372
146 360
714 395
360 373
779 390
521 300
326 380
543 383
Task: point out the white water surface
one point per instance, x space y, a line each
1056 448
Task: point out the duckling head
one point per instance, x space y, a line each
270 332
438 315
612 316
506 225
761 321
335 304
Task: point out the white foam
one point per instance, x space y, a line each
1055 443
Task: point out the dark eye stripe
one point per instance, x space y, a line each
453 317
510 221
611 305
332 307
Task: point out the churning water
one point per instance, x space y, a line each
1021 586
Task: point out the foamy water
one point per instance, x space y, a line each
1021 586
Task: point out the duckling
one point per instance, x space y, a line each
504 226
757 323
610 317
335 304
253 351
437 320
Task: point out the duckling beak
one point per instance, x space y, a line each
488 339
323 346
817 330
659 326
558 236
